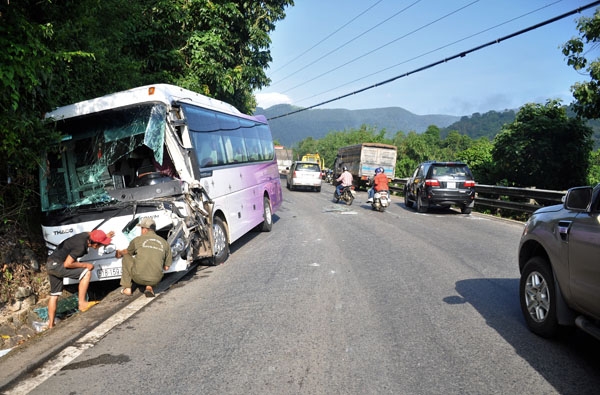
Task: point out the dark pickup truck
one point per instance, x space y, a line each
559 261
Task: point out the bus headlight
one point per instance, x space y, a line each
107 250
177 247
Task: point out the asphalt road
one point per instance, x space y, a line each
338 300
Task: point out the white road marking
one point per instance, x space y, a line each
87 341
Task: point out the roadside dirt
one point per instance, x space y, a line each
23 284
24 287
22 260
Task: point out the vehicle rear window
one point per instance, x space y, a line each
307 167
455 171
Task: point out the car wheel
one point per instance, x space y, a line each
466 210
287 184
221 244
318 189
538 297
407 202
267 223
422 208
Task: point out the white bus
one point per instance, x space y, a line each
205 172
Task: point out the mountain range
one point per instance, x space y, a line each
317 123
291 129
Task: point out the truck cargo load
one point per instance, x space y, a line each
362 160
285 157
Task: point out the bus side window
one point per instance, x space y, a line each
218 154
265 150
240 151
266 142
205 156
209 158
239 154
234 147
228 149
253 149
212 152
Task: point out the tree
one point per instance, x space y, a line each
412 150
327 147
478 156
481 125
219 49
306 146
57 53
593 177
586 94
432 135
226 47
454 143
25 68
543 148
415 148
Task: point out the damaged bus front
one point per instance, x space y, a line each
143 153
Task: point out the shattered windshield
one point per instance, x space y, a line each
101 152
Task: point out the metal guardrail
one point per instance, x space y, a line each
499 197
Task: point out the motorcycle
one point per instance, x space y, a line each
329 176
347 195
381 200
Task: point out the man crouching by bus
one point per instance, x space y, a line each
144 259
63 263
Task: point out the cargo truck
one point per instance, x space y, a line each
285 157
362 160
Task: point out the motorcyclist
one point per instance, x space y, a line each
345 179
380 183
329 175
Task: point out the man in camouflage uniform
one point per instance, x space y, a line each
145 259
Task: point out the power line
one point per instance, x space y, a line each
346 43
458 55
383 46
432 51
326 38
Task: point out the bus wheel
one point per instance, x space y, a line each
221 246
267 223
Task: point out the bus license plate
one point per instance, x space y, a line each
110 272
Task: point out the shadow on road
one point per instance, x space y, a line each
570 363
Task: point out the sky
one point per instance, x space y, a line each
324 49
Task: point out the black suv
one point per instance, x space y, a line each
441 183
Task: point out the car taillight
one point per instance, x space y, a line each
432 183
469 184
294 175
